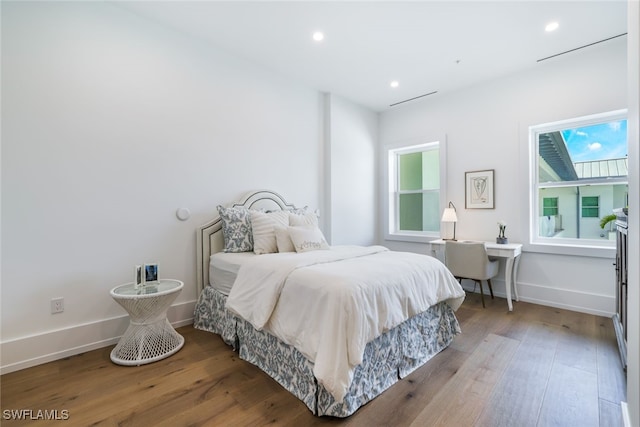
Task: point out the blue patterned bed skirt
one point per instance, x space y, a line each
387 359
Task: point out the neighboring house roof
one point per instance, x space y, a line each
602 168
554 151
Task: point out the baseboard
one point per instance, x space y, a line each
584 302
25 352
568 299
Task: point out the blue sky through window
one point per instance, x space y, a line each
597 142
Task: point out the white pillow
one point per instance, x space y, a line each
263 227
307 238
303 217
283 240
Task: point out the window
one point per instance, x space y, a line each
578 173
590 207
549 206
415 176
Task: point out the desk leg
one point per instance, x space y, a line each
508 278
515 277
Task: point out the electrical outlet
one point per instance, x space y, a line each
57 305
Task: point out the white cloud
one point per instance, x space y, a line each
615 126
581 133
594 146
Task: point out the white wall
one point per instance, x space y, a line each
487 128
111 123
352 147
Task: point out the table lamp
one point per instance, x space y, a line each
449 215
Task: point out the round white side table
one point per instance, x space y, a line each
149 337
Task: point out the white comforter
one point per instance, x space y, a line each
329 304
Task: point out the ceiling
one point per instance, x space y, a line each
426 46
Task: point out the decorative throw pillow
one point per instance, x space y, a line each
263 225
303 217
283 240
307 239
299 211
236 229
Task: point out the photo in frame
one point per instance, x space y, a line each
479 189
139 278
150 273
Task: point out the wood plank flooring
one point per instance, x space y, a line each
536 366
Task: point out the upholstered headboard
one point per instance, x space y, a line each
209 239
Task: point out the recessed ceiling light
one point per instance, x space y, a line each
318 36
551 26
394 84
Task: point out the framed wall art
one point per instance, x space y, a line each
479 189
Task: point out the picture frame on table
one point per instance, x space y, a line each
139 276
479 189
151 273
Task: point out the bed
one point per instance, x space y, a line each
334 325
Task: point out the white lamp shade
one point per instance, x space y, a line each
449 215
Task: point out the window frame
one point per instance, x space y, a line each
567 246
391 220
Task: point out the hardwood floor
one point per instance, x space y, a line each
536 366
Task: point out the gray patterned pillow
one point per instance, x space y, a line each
236 229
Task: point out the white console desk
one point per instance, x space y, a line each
510 252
